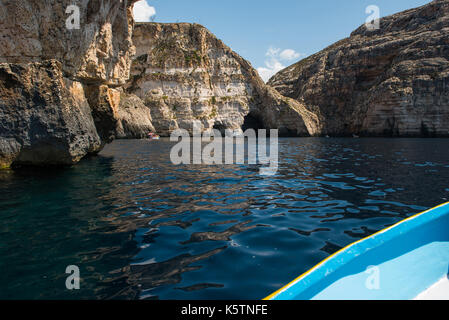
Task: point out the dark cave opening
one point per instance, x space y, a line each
252 122
220 127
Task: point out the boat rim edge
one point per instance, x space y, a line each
296 280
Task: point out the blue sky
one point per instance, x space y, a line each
273 34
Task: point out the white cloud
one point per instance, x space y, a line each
143 11
289 55
273 52
272 67
273 62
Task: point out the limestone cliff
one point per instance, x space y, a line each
44 117
99 51
183 73
391 81
134 118
58 86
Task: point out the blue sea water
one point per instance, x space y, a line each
139 227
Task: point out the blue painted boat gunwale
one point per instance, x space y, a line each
331 266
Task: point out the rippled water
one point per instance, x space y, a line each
140 228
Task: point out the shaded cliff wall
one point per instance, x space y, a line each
50 76
393 81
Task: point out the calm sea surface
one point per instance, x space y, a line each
139 227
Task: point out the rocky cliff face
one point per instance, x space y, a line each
134 118
65 92
183 74
392 81
58 86
99 51
44 117
61 94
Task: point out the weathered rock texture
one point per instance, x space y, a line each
58 86
184 74
133 118
392 81
99 51
44 117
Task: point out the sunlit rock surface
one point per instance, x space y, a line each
184 74
393 81
99 51
59 95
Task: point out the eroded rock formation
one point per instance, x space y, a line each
66 92
133 118
58 86
99 51
392 81
183 73
44 117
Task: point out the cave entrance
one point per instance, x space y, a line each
220 127
252 121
